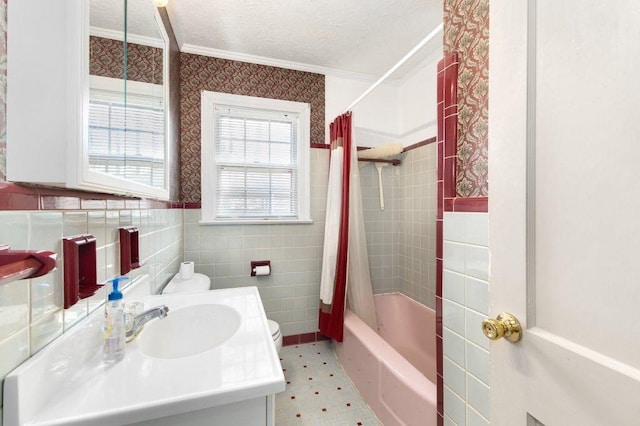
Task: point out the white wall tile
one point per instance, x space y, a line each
453 286
74 223
453 256
453 317
96 226
477 262
478 362
455 407
454 347
45 331
473 329
477 295
14 231
455 377
75 313
448 421
46 294
475 419
45 232
477 229
454 227
478 396
14 307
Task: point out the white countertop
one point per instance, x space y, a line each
68 384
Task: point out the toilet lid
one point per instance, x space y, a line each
274 327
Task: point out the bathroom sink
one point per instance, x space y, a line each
189 331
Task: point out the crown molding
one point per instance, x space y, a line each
131 38
263 60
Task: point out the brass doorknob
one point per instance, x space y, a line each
505 325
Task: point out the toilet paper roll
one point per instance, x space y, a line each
263 270
186 270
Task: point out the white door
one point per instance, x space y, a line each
564 210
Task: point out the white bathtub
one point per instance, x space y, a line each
395 370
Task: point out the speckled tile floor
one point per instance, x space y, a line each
318 392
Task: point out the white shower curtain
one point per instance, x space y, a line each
359 287
345 262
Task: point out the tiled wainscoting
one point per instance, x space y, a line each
31 311
465 291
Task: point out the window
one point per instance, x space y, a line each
255 160
127 140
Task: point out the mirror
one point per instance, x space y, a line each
127 137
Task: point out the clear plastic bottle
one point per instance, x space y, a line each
114 325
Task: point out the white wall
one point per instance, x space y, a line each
418 101
378 112
396 111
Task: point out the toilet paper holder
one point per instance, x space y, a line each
256 263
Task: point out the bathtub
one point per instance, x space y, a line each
394 369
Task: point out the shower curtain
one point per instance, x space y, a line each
345 262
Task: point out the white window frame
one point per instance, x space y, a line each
209 100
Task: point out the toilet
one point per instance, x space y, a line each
200 282
275 334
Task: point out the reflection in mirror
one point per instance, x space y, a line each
127 93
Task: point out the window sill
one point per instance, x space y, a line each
257 222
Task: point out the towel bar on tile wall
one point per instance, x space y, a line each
21 264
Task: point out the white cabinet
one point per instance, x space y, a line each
48 93
251 412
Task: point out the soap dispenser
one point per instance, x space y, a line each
114 324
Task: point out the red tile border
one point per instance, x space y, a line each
290 340
479 204
14 197
439 355
320 145
448 204
299 339
307 338
440 391
192 205
420 144
22 197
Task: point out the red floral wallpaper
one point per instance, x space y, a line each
199 73
144 62
466 31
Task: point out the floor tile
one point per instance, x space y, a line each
319 393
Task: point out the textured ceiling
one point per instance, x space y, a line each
360 36
109 15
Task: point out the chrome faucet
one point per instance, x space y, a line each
140 320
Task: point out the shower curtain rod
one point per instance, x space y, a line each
408 56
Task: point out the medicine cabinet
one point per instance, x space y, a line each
88 90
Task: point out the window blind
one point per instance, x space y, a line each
127 141
256 160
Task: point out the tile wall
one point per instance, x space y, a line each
381 228
416 221
465 292
292 292
31 311
401 239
